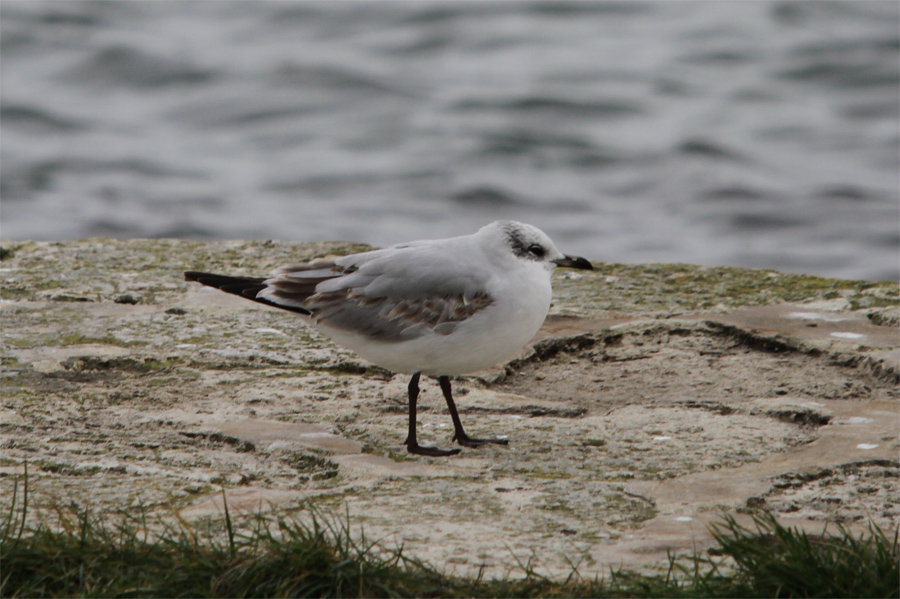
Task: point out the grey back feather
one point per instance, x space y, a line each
392 294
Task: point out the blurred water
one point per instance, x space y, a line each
763 134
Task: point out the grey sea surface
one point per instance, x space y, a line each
746 133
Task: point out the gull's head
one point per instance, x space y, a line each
529 244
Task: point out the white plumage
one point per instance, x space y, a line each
440 307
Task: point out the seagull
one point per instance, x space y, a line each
438 307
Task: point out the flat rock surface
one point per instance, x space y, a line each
655 399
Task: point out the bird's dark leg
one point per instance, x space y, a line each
412 446
460 435
413 389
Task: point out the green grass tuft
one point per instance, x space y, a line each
82 555
776 561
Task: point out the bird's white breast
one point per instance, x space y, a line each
493 335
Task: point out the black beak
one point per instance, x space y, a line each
574 262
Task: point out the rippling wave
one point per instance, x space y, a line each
763 134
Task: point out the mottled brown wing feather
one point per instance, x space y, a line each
387 319
379 318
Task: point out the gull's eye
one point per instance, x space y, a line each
536 250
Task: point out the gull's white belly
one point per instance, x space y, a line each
489 337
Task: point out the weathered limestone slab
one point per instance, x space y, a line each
654 399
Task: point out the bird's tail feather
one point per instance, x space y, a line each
247 287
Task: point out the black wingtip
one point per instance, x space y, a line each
247 287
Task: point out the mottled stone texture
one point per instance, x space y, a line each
654 399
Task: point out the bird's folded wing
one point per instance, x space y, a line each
393 319
393 294
247 287
290 286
